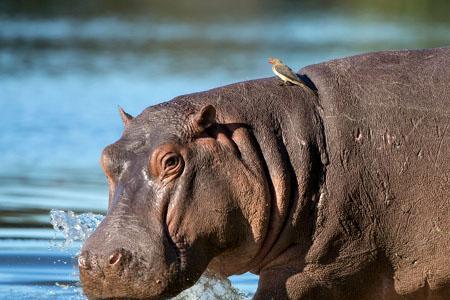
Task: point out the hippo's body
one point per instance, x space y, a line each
341 191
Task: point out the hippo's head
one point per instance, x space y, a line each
185 193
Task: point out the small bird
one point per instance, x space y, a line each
285 73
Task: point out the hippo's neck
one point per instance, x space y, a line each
287 128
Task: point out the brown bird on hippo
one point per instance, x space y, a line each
287 76
338 193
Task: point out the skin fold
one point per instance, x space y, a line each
335 190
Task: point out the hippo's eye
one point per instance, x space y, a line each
171 165
166 163
171 162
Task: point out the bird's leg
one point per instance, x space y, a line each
288 83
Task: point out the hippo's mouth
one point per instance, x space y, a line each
179 279
180 249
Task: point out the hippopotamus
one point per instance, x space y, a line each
338 189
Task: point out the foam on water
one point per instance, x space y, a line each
79 227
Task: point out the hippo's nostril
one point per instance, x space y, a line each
83 262
115 258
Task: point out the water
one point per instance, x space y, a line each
65 68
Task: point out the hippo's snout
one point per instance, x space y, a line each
130 261
117 257
84 261
120 273
117 260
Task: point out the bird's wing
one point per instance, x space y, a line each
286 71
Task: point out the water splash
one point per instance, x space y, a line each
74 227
79 227
212 286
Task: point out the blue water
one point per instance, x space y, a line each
63 72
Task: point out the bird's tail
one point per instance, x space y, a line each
299 82
303 84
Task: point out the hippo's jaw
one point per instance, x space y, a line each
157 272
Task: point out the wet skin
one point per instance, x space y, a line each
313 188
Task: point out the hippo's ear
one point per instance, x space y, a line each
126 117
205 117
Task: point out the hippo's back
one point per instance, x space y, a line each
391 80
386 117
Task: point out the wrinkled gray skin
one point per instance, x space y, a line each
340 191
